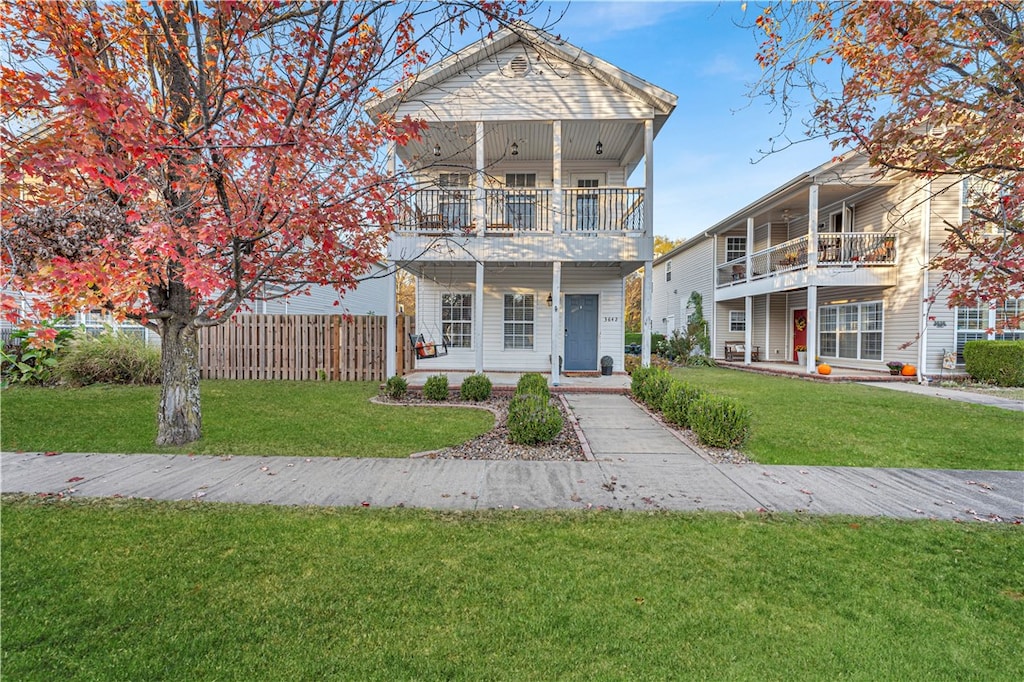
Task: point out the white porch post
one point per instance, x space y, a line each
812 328
480 203
648 243
767 356
557 200
748 267
478 319
926 228
812 229
390 359
748 327
557 327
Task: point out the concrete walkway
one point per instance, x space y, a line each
639 465
952 394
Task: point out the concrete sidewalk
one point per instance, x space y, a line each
951 394
639 465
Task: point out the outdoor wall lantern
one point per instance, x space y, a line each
599 149
549 299
515 149
437 150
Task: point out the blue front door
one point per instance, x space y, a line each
580 332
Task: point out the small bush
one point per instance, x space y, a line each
476 388
534 383
995 362
653 387
631 364
109 358
436 388
396 387
719 422
28 358
639 377
532 419
677 401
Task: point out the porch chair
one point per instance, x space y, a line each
427 349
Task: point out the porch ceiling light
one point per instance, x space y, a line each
437 150
599 149
514 149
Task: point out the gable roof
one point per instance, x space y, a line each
660 100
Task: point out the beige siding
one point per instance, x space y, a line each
489 91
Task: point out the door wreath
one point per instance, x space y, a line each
800 323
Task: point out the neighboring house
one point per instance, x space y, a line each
837 260
371 297
524 228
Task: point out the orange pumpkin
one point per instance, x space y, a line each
909 371
824 369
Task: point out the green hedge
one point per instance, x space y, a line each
995 362
475 388
678 400
436 388
720 422
533 382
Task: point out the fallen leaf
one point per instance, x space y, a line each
75 479
365 503
51 453
575 498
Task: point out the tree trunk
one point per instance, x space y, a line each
180 418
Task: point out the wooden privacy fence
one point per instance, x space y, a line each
302 347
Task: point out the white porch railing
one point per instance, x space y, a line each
452 210
834 249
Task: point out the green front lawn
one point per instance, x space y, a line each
130 590
306 419
839 424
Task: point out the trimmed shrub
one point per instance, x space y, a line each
995 362
532 419
639 377
109 358
719 422
533 382
476 388
677 401
654 386
396 387
436 388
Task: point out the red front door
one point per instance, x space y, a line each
799 330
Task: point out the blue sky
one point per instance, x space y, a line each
704 155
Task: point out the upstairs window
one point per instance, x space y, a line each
520 179
668 271
453 180
735 247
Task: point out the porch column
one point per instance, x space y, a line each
812 230
480 204
648 243
748 268
557 200
645 307
812 328
767 356
478 319
391 338
748 326
557 328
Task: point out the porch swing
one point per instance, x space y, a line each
428 349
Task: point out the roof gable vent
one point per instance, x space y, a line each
519 66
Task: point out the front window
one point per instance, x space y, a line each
735 247
737 321
518 321
457 319
973 324
852 331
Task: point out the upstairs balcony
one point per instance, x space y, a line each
509 211
599 224
850 258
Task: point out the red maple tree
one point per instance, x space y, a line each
167 161
930 87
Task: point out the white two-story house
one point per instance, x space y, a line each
523 226
838 261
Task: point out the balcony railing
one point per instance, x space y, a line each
451 210
834 249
